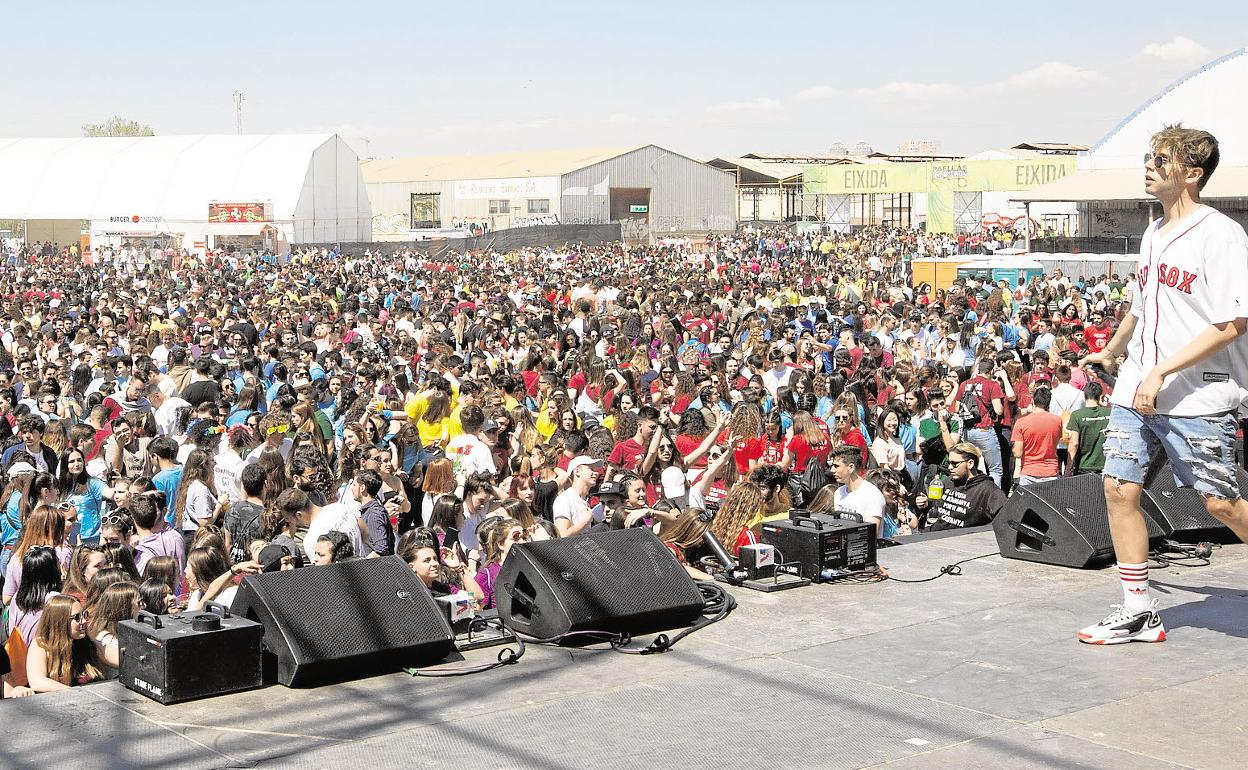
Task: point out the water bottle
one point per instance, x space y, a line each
936 489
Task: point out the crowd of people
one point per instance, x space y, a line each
173 424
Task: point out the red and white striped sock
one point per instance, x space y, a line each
1134 579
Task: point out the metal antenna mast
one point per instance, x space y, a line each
238 112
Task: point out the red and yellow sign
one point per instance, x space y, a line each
231 213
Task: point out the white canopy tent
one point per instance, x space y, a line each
308 187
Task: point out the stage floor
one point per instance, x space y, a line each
980 670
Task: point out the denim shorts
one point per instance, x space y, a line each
1201 450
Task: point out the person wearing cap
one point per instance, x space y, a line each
572 514
276 558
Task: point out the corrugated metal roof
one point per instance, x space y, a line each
802 159
1127 184
910 157
1052 147
502 165
776 171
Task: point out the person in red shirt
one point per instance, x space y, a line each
1036 436
809 444
627 454
1097 332
767 449
990 397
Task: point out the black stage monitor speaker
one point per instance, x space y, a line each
344 621
1061 522
622 581
1181 513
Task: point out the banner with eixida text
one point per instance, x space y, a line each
938 179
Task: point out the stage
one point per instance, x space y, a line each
980 670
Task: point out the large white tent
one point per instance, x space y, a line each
1109 185
305 187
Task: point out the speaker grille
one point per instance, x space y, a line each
623 580
1062 521
1081 500
364 609
1181 511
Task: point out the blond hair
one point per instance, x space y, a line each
1191 147
968 449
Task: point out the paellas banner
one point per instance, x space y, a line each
936 176
227 213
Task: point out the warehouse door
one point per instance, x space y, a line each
630 206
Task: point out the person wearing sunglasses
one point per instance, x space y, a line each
970 497
1180 386
275 429
61 654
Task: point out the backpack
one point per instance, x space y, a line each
970 411
811 480
242 532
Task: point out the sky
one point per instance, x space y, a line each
706 79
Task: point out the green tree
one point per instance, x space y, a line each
117 126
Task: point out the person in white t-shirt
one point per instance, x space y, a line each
319 519
1066 399
1180 387
168 407
856 494
572 514
468 452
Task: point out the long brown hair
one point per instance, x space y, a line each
46 526
164 569
276 479
439 408
206 565
741 505
114 605
199 467
76 580
69 659
516 508
439 477
687 531
804 425
492 534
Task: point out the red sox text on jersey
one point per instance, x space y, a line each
1170 276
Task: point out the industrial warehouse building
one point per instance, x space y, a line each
185 192
650 191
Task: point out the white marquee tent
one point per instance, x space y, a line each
308 186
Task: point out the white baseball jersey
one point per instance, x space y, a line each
1194 276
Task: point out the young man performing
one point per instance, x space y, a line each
1179 389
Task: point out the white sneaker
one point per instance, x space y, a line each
1121 626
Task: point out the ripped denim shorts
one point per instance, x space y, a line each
1201 450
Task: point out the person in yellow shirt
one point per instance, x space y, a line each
469 394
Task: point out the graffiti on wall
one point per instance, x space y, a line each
535 220
389 224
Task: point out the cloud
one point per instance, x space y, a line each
1051 74
905 89
815 93
1181 50
761 104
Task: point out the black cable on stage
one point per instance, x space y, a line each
717 604
1172 554
948 569
506 657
